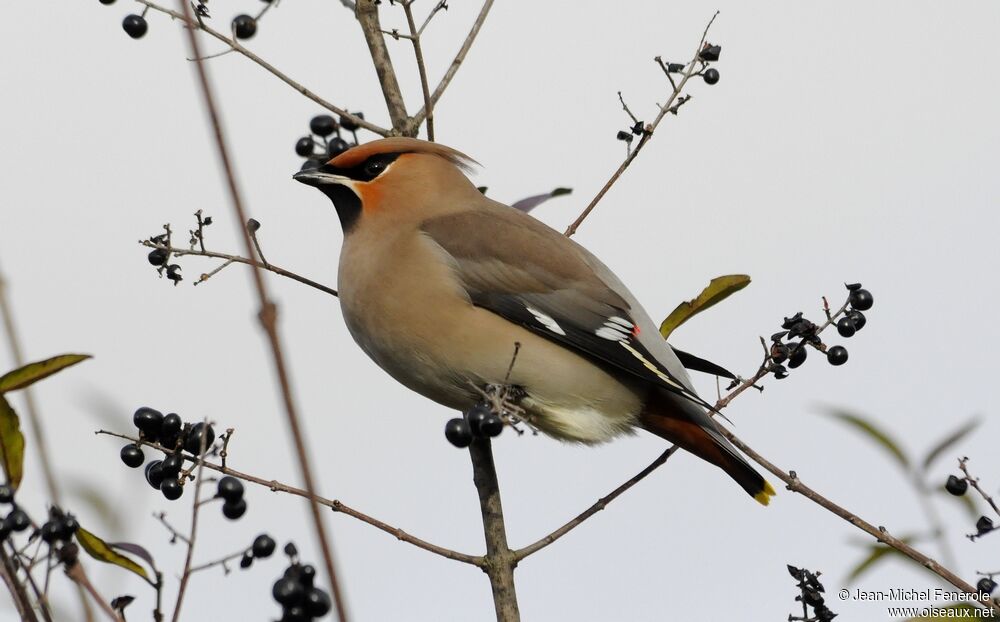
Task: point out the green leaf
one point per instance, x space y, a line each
946 443
33 372
11 444
101 551
960 612
718 289
873 432
876 552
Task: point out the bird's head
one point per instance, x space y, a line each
395 177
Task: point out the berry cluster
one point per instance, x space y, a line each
326 141
230 490
176 437
60 527
709 54
263 547
811 596
789 347
243 26
17 519
300 600
478 422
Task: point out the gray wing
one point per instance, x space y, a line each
515 266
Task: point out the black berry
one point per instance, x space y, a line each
230 489
798 356
322 125
857 318
149 421
310 164
171 488
986 585
107 1
623 135
983 525
67 527
245 26
845 326
290 550
956 485
49 532
491 426
307 574
246 560
157 256
476 415
287 591
861 299
837 355
17 520
194 441
711 76
170 430
154 473
304 146
349 124
172 465
132 456
135 26
336 146
295 613
317 602
6 493
458 432
235 509
263 546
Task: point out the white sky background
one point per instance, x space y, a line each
847 143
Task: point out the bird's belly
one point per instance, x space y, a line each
445 355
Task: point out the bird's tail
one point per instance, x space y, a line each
683 423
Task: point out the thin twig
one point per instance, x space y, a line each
366 12
421 69
20 597
219 562
174 533
646 136
974 482
880 533
333 504
236 46
192 538
456 63
268 318
76 573
180 252
602 503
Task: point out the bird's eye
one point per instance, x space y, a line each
374 167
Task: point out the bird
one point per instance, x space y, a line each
438 284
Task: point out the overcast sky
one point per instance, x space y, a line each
847 143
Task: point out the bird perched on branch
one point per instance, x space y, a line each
438 283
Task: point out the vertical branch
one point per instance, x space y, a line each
367 13
419 54
500 561
268 316
21 601
37 433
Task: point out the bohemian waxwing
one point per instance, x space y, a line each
438 283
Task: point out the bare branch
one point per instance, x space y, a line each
880 533
455 64
238 47
180 252
268 318
668 107
594 509
367 14
333 504
192 538
421 69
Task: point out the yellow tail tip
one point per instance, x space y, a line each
764 496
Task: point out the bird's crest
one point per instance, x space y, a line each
356 155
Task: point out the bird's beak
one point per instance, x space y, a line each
318 178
